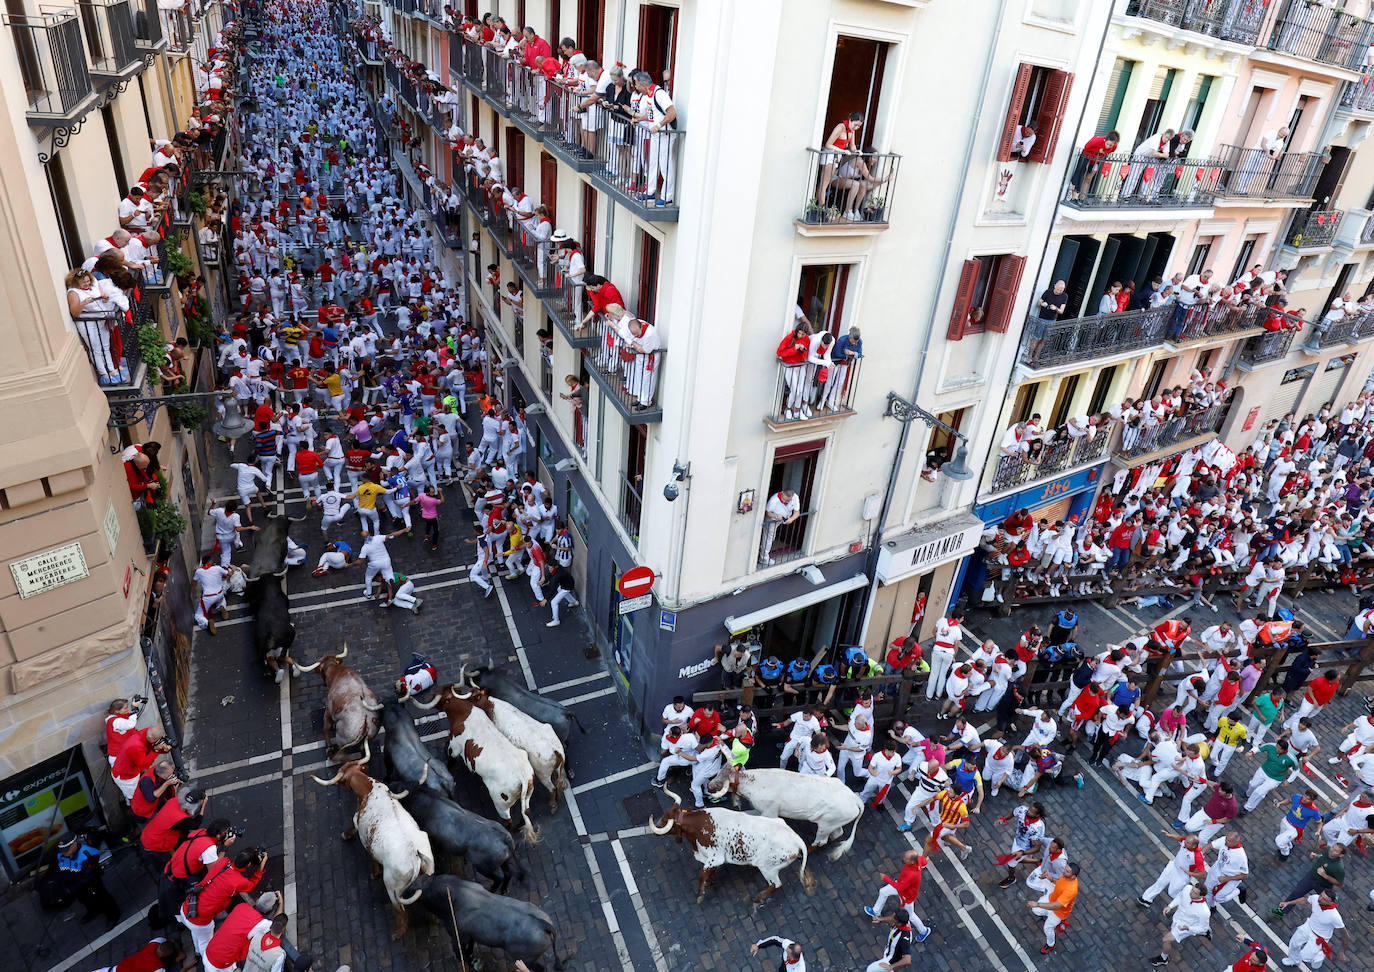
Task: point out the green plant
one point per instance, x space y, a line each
150 346
200 329
167 522
197 202
178 263
189 415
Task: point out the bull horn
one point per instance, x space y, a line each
425 705
367 754
412 899
343 654
424 775
676 799
462 673
377 707
311 668
459 695
653 828
400 796
337 776
295 519
279 573
406 696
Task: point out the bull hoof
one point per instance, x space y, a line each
700 898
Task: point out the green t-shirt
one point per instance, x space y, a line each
1334 868
1277 765
1266 709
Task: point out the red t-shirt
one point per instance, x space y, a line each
158 835
608 294
144 960
308 461
221 885
908 883
354 459
135 757
1087 704
229 945
300 377
264 413
1323 689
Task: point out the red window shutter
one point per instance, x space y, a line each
963 299
1018 101
1051 115
1004 287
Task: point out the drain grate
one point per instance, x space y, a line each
641 806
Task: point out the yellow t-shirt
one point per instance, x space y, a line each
334 385
367 495
1230 732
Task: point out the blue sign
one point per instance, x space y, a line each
1038 495
667 620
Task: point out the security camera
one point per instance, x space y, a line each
535 409
670 492
563 465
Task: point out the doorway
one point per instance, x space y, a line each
856 83
658 42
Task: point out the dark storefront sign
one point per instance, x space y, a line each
1041 494
40 804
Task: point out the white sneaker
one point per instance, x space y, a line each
575 603
552 624
852 214
281 673
806 411
1000 599
295 670
789 416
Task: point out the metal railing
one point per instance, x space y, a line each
531 253
1082 338
631 507
1121 181
1231 20
630 376
1367 232
849 187
1202 321
1314 228
1049 459
1359 95
638 161
455 54
147 25
1269 346
52 61
109 30
111 347
473 62
1319 33
783 542
176 27
1138 439
499 77
1253 172
1344 331
804 392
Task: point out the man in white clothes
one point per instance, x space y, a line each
373 552
804 725
883 768
949 633
1226 873
1314 936
858 741
210 579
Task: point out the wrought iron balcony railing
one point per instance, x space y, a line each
1231 20
109 29
1123 182
1309 30
52 64
1138 439
849 188
1254 173
1314 228
804 392
1045 460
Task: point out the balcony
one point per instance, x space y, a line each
52 63
1320 33
177 28
848 192
1086 338
629 377
785 541
1118 182
111 345
1251 173
1052 459
110 39
1346 331
148 37
1314 229
1138 440
1237 21
533 261
1358 95
1269 346
803 395
631 506
1367 232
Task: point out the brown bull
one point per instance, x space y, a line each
350 708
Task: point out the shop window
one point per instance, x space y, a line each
986 295
1039 96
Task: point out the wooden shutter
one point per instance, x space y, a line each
548 185
1053 105
963 299
1018 101
1004 286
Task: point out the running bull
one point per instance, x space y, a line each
350 708
501 684
459 832
473 916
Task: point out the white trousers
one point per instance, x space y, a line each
310 483
852 759
1201 824
200 934
668 762
405 595
375 568
885 894
1171 881
1286 836
328 521
941 661
207 605
1304 947
563 596
1259 788
1051 923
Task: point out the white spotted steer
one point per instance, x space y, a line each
823 800
538 740
400 849
720 836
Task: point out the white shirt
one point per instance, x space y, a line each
1192 917
1041 733
1323 922
813 763
211 579
859 738
783 508
374 550
883 767
802 727
226 524
948 634
675 718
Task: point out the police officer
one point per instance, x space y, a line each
1062 627
78 865
769 678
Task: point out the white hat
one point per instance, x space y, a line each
560 236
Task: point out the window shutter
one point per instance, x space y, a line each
963 299
1052 107
1004 292
1018 101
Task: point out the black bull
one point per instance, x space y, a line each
269 547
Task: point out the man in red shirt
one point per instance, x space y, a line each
298 378
308 465
156 785
906 888
1089 161
1120 543
158 955
121 720
141 747
229 945
217 890
1085 708
172 822
705 722
601 294
1320 691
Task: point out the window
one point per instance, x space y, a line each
116 153
515 157
1063 401
1156 379
590 15
942 444
1192 115
589 225
548 185
1040 97
1304 102
555 33
986 295
66 215
648 277
476 117
658 42
1243 258
1153 112
1101 390
1116 95
821 294
632 481
1202 252
1207 360
577 511
856 83
794 468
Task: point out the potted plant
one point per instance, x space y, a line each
187 415
151 348
814 213
197 202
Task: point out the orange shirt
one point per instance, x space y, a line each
1065 894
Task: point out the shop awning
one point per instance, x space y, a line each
738 625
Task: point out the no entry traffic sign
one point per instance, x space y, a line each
636 581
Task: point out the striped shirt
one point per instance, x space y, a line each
953 808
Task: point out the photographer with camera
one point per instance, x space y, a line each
121 719
189 862
156 785
217 890
141 749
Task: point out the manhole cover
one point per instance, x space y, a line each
966 897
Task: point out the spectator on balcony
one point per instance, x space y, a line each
617 100
845 353
793 352
593 85
1342 308
1146 167
1107 304
1124 296
94 314
641 372
572 266
141 468
534 47
1016 441
782 509
843 142
1023 141
140 254
1089 163
540 232
135 211
660 117
1190 292
601 294
1049 309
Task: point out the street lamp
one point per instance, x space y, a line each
127 412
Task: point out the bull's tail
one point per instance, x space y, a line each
839 851
560 780
808 881
512 871
558 963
